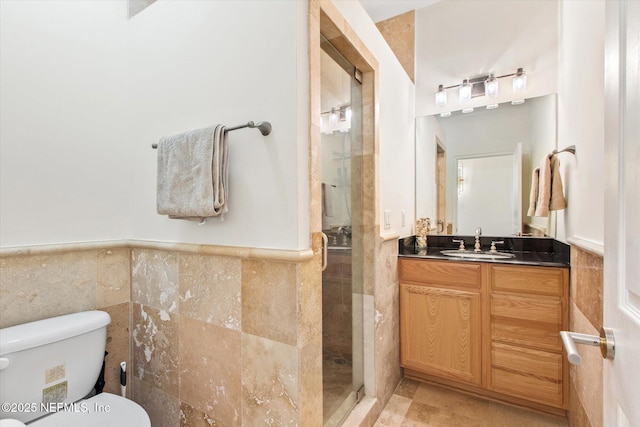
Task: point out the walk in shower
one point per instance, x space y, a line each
342 222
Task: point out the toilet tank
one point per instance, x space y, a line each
50 361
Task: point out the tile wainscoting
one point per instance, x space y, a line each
585 316
208 338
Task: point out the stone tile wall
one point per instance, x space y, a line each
216 339
39 286
400 34
585 316
208 339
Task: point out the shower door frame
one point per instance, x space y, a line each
326 19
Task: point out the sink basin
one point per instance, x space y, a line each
477 255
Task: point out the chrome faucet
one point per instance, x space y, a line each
477 247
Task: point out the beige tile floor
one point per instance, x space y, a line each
416 404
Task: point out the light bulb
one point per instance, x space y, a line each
445 114
467 111
520 81
491 86
441 97
333 118
492 106
465 91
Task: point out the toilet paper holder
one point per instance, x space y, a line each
605 341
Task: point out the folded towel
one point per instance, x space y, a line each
192 174
547 187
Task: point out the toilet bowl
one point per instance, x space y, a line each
10 422
48 367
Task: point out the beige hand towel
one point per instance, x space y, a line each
557 201
544 188
549 187
192 174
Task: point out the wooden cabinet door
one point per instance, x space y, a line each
441 331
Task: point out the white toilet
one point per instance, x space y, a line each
48 367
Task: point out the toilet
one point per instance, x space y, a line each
49 367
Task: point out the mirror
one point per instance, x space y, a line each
474 170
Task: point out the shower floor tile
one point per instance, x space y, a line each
336 382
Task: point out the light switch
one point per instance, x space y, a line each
387 219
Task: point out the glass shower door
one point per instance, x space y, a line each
341 155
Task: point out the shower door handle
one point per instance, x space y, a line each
325 249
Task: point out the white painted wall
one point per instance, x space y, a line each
85 92
197 63
64 172
543 141
462 39
395 106
581 119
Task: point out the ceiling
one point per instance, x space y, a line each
380 10
464 39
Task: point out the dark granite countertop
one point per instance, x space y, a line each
545 252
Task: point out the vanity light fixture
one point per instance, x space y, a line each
465 91
486 85
491 86
336 119
347 114
441 97
520 81
333 117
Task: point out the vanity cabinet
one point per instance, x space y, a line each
488 328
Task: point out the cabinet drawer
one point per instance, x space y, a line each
530 374
530 280
527 321
441 272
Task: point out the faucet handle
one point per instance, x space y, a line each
494 243
461 241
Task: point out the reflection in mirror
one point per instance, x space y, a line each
494 181
498 203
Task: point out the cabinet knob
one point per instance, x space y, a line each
605 341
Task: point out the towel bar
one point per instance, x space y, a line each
263 127
570 149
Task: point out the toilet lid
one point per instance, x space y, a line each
102 410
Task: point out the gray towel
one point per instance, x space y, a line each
327 203
192 174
